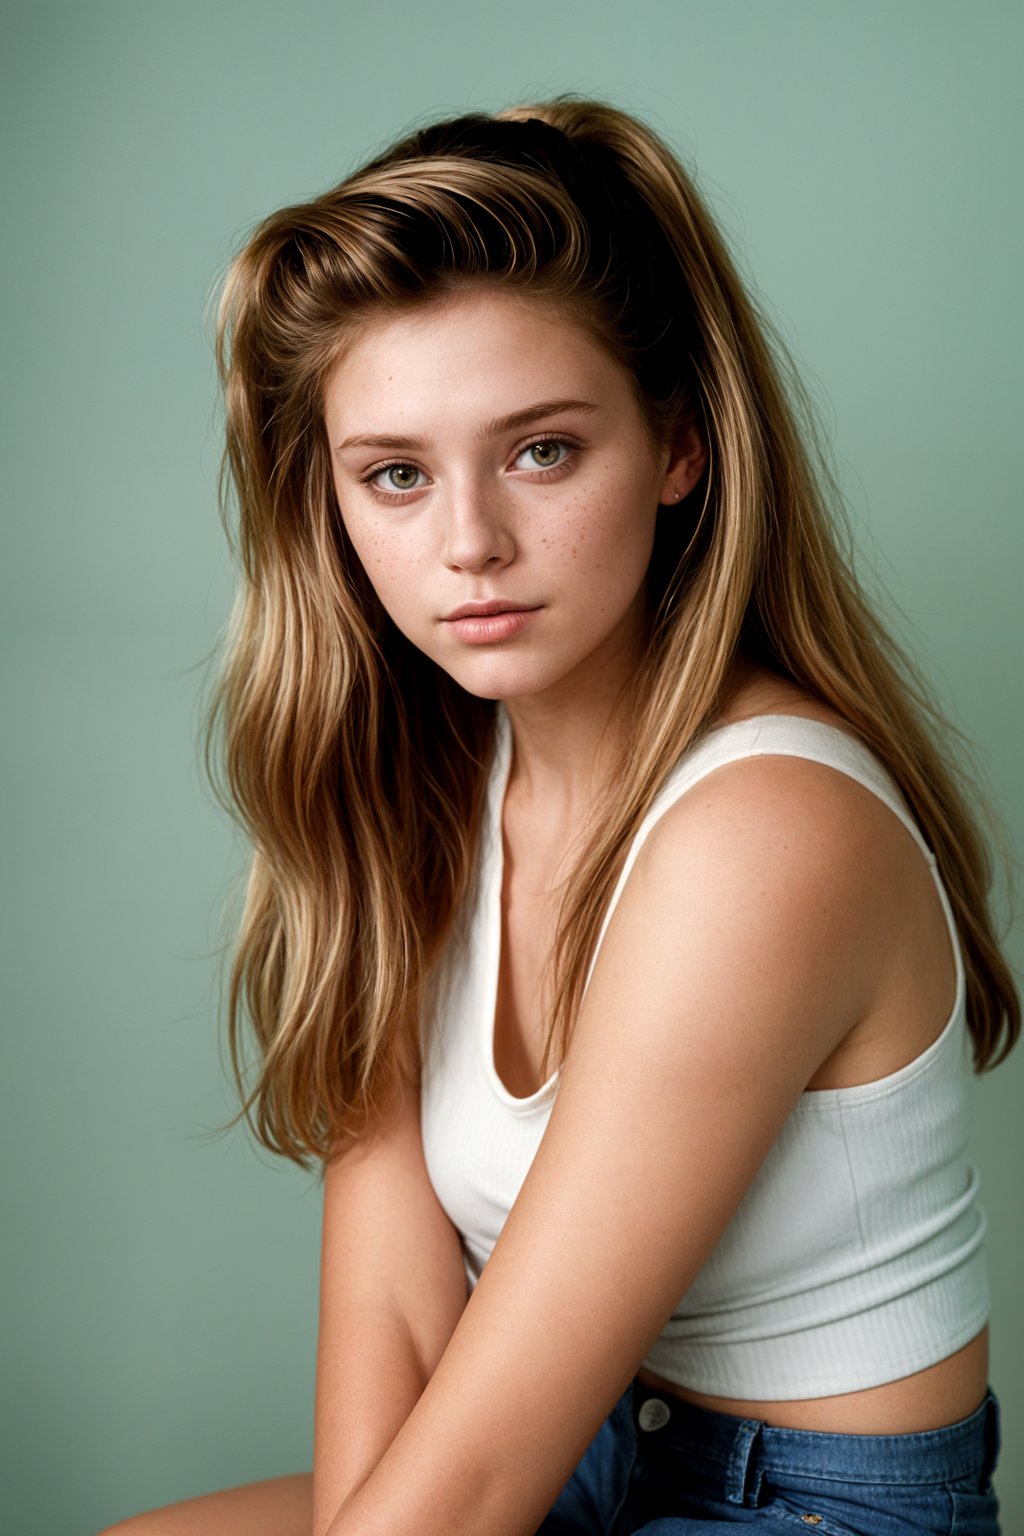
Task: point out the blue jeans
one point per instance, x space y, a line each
661 1467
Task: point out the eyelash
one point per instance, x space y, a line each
555 470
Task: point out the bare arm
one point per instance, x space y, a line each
392 1289
744 948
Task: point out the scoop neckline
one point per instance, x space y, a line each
492 930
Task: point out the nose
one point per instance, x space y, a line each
477 534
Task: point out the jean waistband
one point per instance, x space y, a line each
743 1446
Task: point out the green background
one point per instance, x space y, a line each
160 1286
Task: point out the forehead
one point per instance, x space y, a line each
469 355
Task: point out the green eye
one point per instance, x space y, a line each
391 482
402 477
546 455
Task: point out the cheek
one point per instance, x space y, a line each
386 555
609 533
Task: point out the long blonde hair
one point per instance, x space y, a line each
358 767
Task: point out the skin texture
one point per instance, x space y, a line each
482 520
715 956
779 930
735 1003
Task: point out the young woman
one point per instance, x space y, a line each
616 934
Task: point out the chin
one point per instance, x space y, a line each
503 678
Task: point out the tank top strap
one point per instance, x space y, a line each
771 736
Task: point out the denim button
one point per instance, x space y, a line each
654 1414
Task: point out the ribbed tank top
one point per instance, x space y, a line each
854 1258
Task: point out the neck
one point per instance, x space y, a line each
567 742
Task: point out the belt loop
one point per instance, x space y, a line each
739 1480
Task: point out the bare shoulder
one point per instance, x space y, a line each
809 875
796 861
785 818
816 822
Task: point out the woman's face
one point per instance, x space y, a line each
487 451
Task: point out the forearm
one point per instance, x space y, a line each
483 1452
365 1394
431 1488
392 1290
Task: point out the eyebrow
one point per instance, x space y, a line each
495 428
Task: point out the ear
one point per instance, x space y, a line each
687 456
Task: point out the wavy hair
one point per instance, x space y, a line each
356 766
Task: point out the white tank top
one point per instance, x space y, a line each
854 1258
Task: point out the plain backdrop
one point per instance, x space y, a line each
160 1285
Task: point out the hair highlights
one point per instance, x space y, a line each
355 765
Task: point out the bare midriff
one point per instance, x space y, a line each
941 1394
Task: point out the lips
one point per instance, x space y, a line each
484 610
489 623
